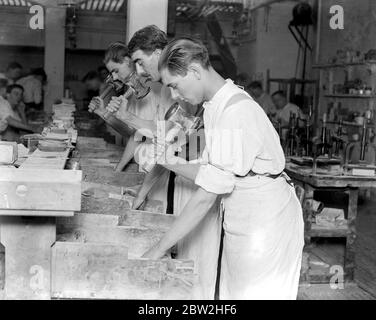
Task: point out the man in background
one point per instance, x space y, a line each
284 109
13 73
261 97
12 110
33 88
93 84
3 92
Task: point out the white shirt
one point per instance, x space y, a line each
239 138
32 89
284 113
6 110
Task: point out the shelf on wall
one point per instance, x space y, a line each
349 96
343 65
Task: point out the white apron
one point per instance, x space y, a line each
263 241
202 243
263 221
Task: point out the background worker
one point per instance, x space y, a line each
242 164
12 110
12 73
33 88
285 108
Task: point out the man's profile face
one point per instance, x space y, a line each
15 96
120 71
147 64
187 88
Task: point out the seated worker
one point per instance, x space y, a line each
284 108
262 98
33 88
12 110
13 73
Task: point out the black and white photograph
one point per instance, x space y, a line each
187 155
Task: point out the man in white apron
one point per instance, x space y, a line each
242 164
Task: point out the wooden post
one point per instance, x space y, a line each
54 56
145 12
27 243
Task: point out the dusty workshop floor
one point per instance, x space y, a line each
364 286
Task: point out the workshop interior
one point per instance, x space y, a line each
92 104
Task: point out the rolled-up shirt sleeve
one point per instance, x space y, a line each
215 180
234 146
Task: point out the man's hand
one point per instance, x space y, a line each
96 103
117 105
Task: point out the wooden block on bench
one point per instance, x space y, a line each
138 240
103 271
39 189
100 198
146 219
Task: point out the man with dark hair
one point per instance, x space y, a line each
33 88
261 97
145 48
13 72
13 111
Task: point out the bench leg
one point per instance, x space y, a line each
351 236
27 243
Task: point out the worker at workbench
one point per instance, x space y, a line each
12 110
202 245
142 112
145 47
242 164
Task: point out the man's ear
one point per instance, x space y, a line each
196 69
158 52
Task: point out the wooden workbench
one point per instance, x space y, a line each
314 182
31 197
